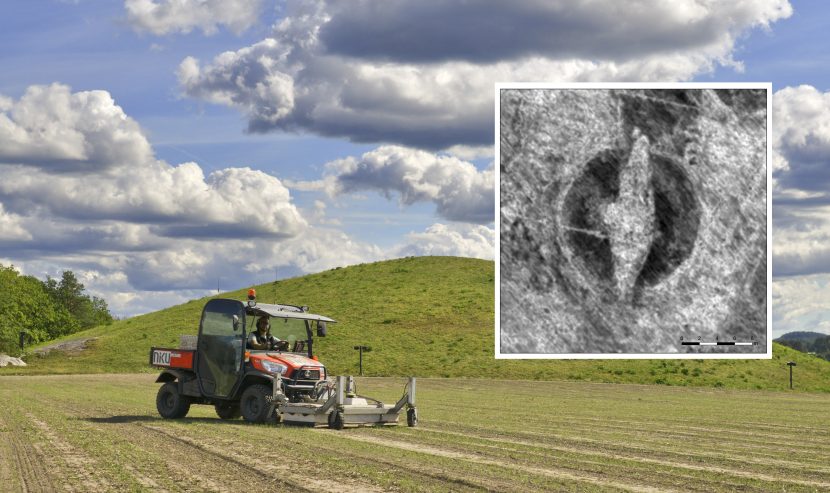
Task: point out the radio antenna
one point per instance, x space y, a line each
275 285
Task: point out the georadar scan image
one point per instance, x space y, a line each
633 220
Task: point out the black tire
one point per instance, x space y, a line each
412 417
170 403
336 420
227 410
255 404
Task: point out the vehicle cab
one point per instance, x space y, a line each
296 364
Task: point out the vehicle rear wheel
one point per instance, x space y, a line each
227 410
255 404
170 403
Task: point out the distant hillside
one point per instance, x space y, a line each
808 342
423 316
801 336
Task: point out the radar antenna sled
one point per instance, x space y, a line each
283 383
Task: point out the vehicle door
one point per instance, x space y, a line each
220 347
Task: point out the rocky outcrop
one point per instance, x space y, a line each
6 360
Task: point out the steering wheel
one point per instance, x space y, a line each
280 345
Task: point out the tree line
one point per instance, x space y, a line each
45 310
820 345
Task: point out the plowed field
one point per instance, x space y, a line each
102 433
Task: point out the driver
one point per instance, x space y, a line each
262 338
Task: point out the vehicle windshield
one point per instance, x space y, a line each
288 329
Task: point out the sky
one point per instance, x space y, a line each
162 149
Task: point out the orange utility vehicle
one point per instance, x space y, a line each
283 383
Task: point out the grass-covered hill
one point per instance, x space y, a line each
423 316
807 342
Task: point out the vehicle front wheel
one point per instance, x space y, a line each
254 404
227 410
170 403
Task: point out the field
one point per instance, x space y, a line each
101 433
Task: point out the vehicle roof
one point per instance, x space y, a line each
284 311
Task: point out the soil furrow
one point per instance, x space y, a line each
79 467
636 453
264 471
644 441
717 471
29 465
551 472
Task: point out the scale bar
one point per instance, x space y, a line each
718 343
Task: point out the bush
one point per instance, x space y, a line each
44 310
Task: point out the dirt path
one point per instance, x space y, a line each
74 346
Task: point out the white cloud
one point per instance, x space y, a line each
486 31
168 16
79 156
801 135
11 227
135 282
57 130
142 233
471 152
320 72
801 152
800 303
461 240
459 190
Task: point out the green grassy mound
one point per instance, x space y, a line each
423 316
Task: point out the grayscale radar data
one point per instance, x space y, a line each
633 221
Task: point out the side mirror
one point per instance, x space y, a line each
235 323
321 329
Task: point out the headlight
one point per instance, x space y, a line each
272 367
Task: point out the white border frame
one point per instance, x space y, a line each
632 85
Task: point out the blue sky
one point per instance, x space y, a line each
158 147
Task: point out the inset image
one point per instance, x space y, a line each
633 221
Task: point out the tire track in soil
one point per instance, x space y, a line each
8 472
813 448
548 472
227 481
678 465
425 470
209 454
695 480
682 426
771 439
275 470
800 465
132 430
189 478
144 480
25 461
79 464
551 433
140 477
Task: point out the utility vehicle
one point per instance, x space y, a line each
282 383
